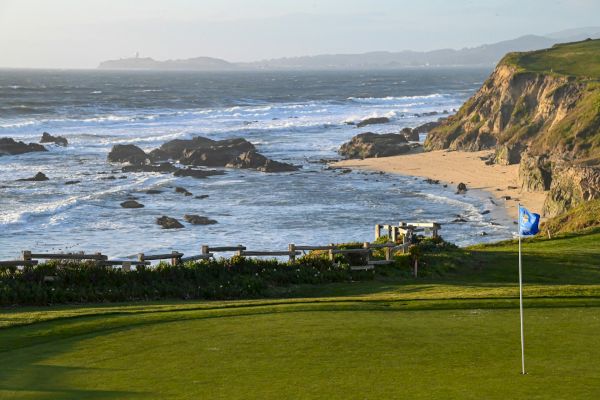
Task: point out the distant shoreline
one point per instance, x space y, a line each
452 167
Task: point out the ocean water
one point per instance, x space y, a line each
293 117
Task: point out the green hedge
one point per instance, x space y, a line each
233 278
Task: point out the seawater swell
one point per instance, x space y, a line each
293 118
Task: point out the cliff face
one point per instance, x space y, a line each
548 122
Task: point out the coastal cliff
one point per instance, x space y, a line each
540 109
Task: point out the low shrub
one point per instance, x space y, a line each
225 278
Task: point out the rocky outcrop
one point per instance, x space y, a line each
410 134
426 127
571 185
547 122
39 177
535 173
198 220
127 153
230 153
508 154
169 223
9 146
370 144
197 173
373 121
58 140
253 160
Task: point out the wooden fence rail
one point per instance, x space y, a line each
399 236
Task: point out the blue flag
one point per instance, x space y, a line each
528 222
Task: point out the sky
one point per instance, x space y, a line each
81 33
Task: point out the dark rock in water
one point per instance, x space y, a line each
345 171
39 177
198 220
131 204
370 144
427 126
162 168
158 156
153 191
350 123
182 190
254 160
506 197
484 234
460 220
109 178
168 223
48 138
197 173
201 196
461 188
206 152
410 134
9 146
72 182
232 153
127 153
432 181
373 121
123 177
445 185
485 212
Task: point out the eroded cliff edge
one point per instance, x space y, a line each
540 109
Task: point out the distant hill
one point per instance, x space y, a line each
485 55
147 63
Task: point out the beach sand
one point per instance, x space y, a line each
452 167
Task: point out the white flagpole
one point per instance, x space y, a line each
521 299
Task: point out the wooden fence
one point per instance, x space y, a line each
400 238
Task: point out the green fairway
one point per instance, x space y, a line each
287 353
451 336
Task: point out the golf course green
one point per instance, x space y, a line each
447 337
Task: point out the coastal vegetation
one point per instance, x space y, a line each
449 335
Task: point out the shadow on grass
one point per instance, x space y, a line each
26 374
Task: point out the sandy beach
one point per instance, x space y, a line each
452 167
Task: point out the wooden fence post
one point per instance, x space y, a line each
366 246
388 253
205 249
394 234
26 255
174 259
416 268
292 250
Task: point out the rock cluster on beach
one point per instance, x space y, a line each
196 152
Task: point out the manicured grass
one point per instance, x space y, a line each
580 59
287 353
451 336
